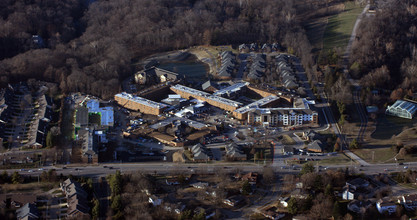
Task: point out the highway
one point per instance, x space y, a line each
169 167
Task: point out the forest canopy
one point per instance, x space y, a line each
385 52
90 47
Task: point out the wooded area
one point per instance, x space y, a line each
384 54
89 48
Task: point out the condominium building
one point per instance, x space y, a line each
282 117
140 104
217 101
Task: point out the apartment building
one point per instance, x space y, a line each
282 117
140 104
217 101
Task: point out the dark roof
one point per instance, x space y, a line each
28 210
316 146
208 84
81 116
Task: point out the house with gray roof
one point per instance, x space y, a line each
76 198
28 211
209 86
200 153
233 152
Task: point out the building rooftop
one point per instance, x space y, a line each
207 95
29 211
141 100
233 88
404 105
257 104
191 123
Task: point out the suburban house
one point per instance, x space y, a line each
386 206
27 212
348 193
233 152
284 201
154 200
200 153
233 201
257 68
251 177
227 65
409 201
77 198
402 109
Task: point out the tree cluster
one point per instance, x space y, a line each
384 54
90 48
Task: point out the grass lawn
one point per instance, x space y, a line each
381 155
408 185
315 31
388 126
340 26
340 159
28 187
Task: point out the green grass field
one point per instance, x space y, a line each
388 126
340 26
340 159
376 155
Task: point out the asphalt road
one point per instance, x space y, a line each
168 167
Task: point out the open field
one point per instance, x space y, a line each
28 187
388 126
315 31
376 155
339 27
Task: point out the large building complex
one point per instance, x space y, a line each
262 111
140 104
402 109
223 103
283 117
258 113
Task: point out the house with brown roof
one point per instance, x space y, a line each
251 177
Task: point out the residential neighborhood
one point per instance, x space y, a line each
208 109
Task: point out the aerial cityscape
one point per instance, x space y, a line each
208 109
